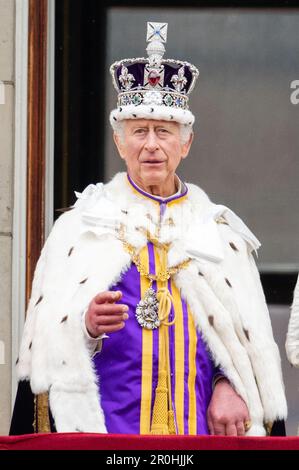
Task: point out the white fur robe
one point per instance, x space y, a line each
292 342
83 257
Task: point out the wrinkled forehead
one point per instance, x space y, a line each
149 123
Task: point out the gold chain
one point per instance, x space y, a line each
162 276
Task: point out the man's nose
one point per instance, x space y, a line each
151 143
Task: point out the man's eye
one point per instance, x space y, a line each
163 131
139 131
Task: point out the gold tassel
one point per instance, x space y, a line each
160 411
171 422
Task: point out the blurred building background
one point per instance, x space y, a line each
245 153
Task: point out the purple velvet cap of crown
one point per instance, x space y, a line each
137 69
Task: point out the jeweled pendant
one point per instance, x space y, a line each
147 310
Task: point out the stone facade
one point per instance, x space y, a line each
7 44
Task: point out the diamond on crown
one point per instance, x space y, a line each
126 78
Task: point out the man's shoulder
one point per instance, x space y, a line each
71 216
89 198
228 222
93 199
65 229
197 195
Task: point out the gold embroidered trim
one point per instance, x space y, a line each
268 427
41 422
147 360
35 417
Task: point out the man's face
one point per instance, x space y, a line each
152 150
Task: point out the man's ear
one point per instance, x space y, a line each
187 145
119 144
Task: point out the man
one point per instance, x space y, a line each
147 313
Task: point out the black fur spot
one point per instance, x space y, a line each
233 246
246 332
39 300
71 251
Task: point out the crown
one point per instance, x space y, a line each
153 87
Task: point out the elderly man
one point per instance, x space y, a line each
147 313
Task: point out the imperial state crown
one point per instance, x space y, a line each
153 87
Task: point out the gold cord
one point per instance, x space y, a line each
165 273
163 419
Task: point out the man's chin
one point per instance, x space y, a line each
153 177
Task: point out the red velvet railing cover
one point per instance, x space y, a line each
78 441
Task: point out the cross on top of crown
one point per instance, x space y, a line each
156 32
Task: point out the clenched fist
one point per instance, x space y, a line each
104 315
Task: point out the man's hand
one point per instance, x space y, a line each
227 412
104 316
